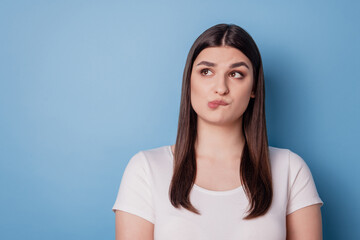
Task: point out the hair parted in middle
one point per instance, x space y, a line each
255 171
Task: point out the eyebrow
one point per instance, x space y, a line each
234 65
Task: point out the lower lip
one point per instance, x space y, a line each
214 105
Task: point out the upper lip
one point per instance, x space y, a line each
220 102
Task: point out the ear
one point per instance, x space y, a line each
252 94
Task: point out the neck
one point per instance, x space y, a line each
219 143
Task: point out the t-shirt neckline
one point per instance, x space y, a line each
204 190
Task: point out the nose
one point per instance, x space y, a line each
221 86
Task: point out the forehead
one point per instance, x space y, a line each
223 55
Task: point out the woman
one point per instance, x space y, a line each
220 180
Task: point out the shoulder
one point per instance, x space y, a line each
157 152
276 153
148 163
157 155
283 157
154 159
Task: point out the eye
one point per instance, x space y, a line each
205 72
236 74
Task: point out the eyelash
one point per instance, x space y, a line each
207 69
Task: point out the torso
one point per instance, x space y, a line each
214 177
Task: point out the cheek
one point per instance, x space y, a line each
244 97
246 88
197 94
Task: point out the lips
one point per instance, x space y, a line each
219 102
216 103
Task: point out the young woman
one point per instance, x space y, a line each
221 180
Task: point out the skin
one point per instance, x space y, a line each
219 139
219 130
132 227
220 134
304 223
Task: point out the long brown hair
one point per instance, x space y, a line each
255 171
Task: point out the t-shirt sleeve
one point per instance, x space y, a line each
302 191
135 194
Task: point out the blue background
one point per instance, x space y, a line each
84 85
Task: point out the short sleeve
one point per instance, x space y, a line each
135 194
302 191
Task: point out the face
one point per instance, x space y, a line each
221 73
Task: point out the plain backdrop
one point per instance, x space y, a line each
84 85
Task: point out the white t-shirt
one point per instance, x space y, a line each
144 192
